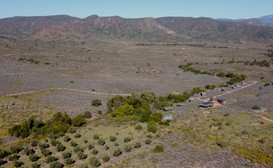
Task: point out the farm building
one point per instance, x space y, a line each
206 104
220 101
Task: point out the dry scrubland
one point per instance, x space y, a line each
41 78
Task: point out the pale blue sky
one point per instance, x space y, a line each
138 8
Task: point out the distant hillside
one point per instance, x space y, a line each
165 29
261 21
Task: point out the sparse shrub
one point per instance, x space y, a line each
2 162
15 149
18 163
117 152
148 141
210 87
74 144
36 165
152 127
78 149
96 102
54 142
138 127
46 152
4 153
85 141
105 158
72 130
99 112
34 143
94 162
82 156
255 107
158 149
90 146
101 141
34 158
66 155
51 159
127 139
95 151
127 148
29 151
78 121
157 117
106 147
222 144
137 145
56 165
60 147
112 138
88 114
78 135
69 161
44 146
67 139
53 136
116 144
96 137
61 134
14 157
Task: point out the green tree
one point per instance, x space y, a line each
78 121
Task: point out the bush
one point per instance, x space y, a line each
101 141
67 155
56 165
72 130
137 145
50 159
44 146
96 102
127 148
157 117
18 163
15 149
124 110
4 153
138 127
105 158
148 141
78 149
95 151
96 137
112 138
152 127
82 156
14 157
54 142
94 162
158 149
117 152
34 143
34 158
127 139
67 139
78 135
255 107
73 144
60 147
36 165
116 144
46 152
78 121
28 151
88 114
90 146
69 161
2 162
106 147
210 87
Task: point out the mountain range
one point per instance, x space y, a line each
163 29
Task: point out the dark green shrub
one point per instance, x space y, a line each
34 143
34 158
36 165
127 139
90 146
137 145
85 141
14 157
50 159
66 155
60 147
117 152
148 141
138 127
96 137
78 135
53 136
101 141
54 142
158 149
127 148
105 158
44 146
15 149
94 162
78 121
29 151
69 161
112 138
46 152
106 147
61 134
96 102
152 127
88 114
95 151
82 156
72 130
74 144
116 144
56 165
67 139
157 117
78 149
2 162
4 153
255 107
18 163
